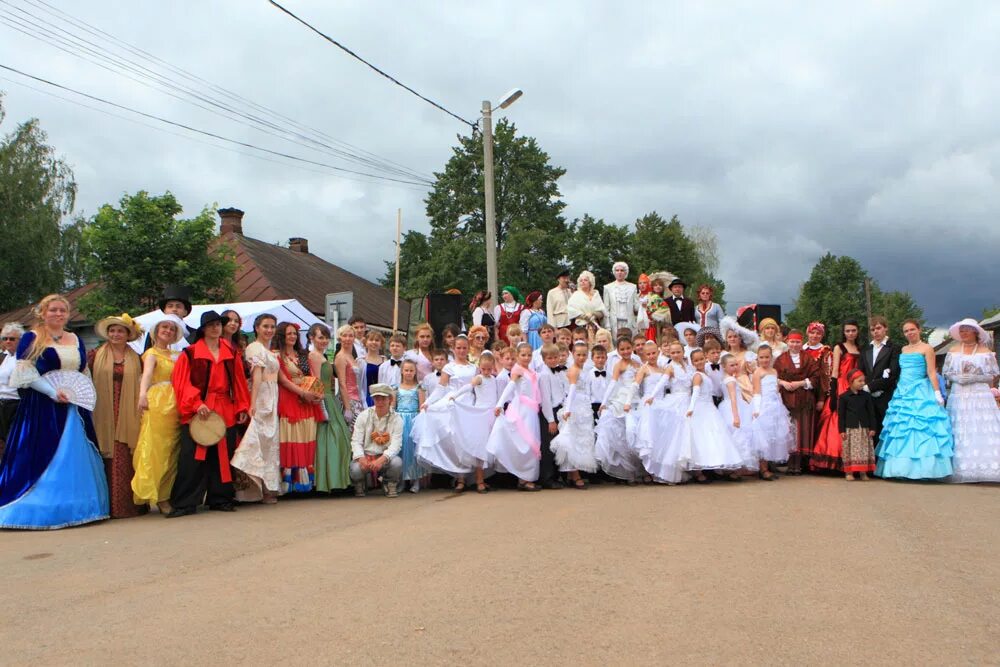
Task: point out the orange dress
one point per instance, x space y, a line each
296 433
827 453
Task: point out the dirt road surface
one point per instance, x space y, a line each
801 571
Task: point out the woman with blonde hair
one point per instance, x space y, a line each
585 306
478 337
346 368
117 372
423 349
51 475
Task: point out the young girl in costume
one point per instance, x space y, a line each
472 421
612 448
574 446
736 411
514 444
712 445
663 443
409 397
773 431
856 419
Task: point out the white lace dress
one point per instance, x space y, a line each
773 431
472 421
712 445
743 436
514 445
259 452
664 440
975 418
613 449
573 447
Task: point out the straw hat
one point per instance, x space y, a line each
182 329
123 320
981 333
208 431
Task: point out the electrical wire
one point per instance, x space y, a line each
371 66
205 132
88 50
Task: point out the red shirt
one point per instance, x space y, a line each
218 397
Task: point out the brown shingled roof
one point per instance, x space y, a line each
26 315
265 271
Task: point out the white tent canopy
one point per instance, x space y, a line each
284 310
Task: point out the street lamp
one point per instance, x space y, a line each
491 223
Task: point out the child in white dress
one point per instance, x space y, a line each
514 444
664 442
573 447
712 445
472 422
612 448
736 411
773 431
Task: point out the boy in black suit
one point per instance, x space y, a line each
681 307
880 364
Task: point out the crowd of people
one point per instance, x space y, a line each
638 385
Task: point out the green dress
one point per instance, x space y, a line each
333 439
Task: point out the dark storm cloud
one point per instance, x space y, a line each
864 129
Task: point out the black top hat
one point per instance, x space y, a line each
563 274
207 318
176 293
677 281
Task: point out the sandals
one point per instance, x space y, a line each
482 488
459 487
578 484
769 478
528 486
734 477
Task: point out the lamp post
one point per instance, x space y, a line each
491 223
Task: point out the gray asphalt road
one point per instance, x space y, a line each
802 571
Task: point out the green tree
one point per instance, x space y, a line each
664 245
594 245
835 292
36 190
140 246
990 312
530 226
72 256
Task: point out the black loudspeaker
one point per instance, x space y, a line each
750 316
443 309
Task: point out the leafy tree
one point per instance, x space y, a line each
72 256
36 190
595 246
835 292
664 245
530 226
137 248
990 312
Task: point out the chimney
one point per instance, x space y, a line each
232 221
297 244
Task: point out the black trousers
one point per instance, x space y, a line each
881 406
199 481
547 471
7 411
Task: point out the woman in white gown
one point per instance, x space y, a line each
971 368
573 448
515 441
773 431
613 450
259 451
439 445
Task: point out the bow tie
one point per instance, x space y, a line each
715 367
600 374
438 373
678 299
395 362
558 369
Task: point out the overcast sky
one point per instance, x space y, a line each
792 129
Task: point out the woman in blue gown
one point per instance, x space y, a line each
52 475
916 440
536 318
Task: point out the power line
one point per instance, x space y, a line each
81 47
359 58
205 132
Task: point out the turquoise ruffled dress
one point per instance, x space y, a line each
916 440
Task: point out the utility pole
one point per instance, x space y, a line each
395 294
868 300
491 223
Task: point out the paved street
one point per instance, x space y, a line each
802 571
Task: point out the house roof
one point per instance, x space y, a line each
266 271
26 314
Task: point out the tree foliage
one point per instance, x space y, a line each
140 246
594 245
36 190
835 292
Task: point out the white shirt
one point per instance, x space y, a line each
545 382
7 393
598 385
876 348
430 381
424 365
555 307
797 362
360 349
368 421
510 308
390 373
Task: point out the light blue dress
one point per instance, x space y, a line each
536 318
408 406
916 440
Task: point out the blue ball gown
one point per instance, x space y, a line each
916 440
52 475
536 319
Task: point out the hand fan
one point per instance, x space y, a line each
77 387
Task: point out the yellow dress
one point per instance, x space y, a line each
155 455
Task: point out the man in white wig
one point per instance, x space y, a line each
621 300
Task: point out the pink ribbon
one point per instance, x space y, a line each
513 415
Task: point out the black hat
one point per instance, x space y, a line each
563 274
677 281
176 293
207 318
